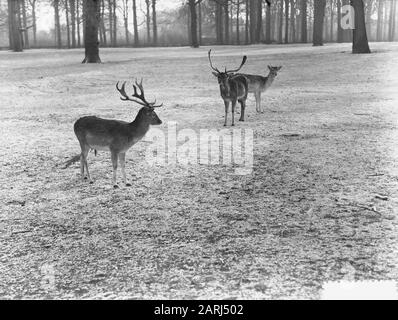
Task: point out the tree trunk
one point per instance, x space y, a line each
25 24
379 20
286 21
15 35
385 23
73 21
219 26
78 22
247 22
226 21
391 21
293 20
34 27
259 20
360 40
319 14
331 20
237 22
57 24
91 13
135 22
280 31
194 24
154 23
126 30
114 24
148 20
253 24
304 34
394 21
102 23
126 21
67 24
268 24
110 20
200 21
339 28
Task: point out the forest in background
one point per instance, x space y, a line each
140 23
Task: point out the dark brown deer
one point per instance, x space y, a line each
233 89
114 135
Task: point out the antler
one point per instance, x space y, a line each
211 65
140 96
230 71
241 65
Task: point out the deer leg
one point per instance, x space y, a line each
114 157
122 160
242 110
258 107
233 112
84 164
226 103
259 103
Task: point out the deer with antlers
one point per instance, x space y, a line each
114 135
233 89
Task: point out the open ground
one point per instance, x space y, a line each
320 204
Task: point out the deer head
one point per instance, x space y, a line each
274 70
223 76
147 113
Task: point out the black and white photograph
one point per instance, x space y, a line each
199 150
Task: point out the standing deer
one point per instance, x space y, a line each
114 135
233 88
259 84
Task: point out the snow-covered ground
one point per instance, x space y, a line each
320 204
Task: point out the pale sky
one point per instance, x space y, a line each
45 13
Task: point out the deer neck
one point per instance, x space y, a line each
226 89
139 127
270 78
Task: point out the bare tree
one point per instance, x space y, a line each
154 23
391 25
34 27
304 35
110 21
148 20
57 24
67 22
24 24
268 24
286 21
78 22
194 22
360 39
247 14
13 23
91 16
114 23
125 13
135 23
72 5
319 15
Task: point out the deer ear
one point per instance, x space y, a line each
269 67
215 74
279 68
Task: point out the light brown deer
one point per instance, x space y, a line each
233 89
259 84
114 135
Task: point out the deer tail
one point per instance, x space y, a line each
71 161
